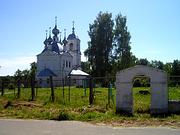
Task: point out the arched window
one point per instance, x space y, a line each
71 46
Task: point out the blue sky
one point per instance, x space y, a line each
154 26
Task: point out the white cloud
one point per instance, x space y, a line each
10 65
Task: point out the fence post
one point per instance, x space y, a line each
52 89
63 86
84 86
90 91
109 93
19 89
69 87
36 87
2 88
32 89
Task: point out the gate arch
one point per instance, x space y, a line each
159 91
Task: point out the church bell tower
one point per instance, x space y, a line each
73 47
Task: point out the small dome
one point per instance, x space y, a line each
64 41
55 47
45 41
55 31
49 40
71 36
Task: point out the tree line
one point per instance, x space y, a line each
25 77
109 49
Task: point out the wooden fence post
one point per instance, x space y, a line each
90 91
2 88
19 89
63 86
32 89
52 89
69 88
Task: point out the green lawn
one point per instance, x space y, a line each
76 106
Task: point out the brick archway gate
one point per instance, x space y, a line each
159 91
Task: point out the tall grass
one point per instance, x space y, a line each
77 108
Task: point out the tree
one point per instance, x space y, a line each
168 67
18 75
33 74
33 69
100 46
85 66
26 77
122 51
176 68
143 62
157 64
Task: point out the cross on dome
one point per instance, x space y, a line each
55 31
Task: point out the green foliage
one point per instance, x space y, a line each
143 62
141 82
64 115
100 46
122 48
176 68
174 93
26 75
109 49
157 64
168 67
141 102
86 66
11 86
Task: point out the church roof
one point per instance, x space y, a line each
46 72
71 36
78 73
45 49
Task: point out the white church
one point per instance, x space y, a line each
58 58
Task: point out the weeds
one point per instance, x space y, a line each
78 107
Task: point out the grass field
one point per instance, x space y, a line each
74 105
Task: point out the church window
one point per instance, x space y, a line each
71 46
66 63
69 64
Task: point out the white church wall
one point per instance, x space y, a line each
60 63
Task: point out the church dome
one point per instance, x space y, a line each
55 31
64 41
55 47
49 40
71 36
45 41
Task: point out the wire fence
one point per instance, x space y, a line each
100 91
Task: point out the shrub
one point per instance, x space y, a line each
64 116
11 86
